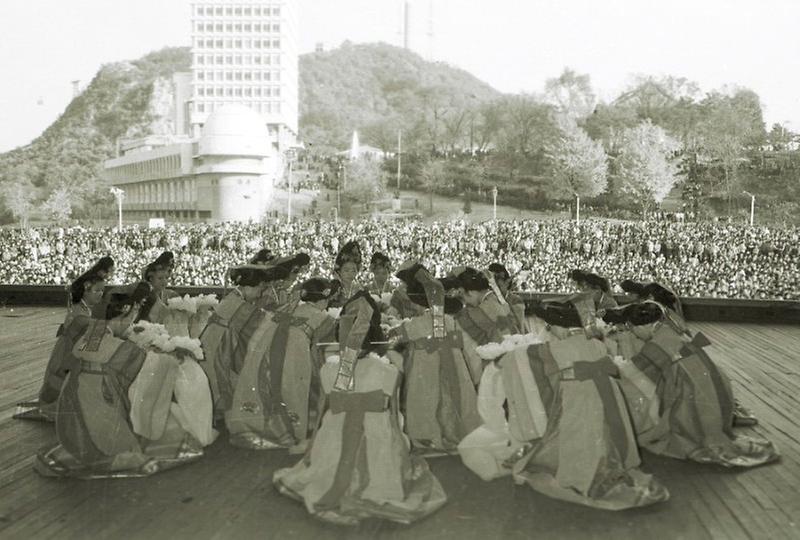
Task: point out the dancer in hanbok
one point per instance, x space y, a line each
283 293
682 404
230 327
102 431
505 284
380 286
359 465
158 274
277 399
578 312
86 292
487 302
345 269
439 397
566 410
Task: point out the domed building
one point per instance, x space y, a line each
225 175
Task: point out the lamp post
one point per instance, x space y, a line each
752 206
577 209
119 194
290 156
399 158
494 203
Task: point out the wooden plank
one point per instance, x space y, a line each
229 494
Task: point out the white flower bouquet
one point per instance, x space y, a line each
156 336
492 351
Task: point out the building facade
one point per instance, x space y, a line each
246 52
235 118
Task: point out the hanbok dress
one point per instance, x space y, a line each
60 363
566 407
439 397
116 416
682 404
225 340
277 399
359 465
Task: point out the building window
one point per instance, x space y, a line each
219 91
238 92
267 60
201 107
248 44
276 11
229 92
201 91
237 11
257 44
257 12
248 28
201 75
228 76
276 28
277 76
209 11
238 75
219 12
200 27
267 92
248 75
229 27
238 60
276 59
257 28
257 74
200 10
247 12
237 28
257 91
229 60
257 60
209 27
237 44
267 75
276 92
276 44
198 59
219 27
228 11
265 44
276 108
219 44
248 92
228 43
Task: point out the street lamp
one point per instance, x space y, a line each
752 206
577 209
290 157
119 194
494 203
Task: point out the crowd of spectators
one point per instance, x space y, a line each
697 259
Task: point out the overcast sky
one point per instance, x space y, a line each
514 45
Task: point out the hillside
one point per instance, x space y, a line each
353 87
376 88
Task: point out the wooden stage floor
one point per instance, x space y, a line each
229 494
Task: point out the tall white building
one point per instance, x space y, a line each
235 118
245 52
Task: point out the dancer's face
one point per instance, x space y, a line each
347 273
93 294
381 274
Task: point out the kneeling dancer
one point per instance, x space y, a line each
359 465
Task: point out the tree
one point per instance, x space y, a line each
647 165
571 93
432 175
579 164
733 123
59 204
18 198
529 127
365 180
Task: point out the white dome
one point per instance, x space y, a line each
235 130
